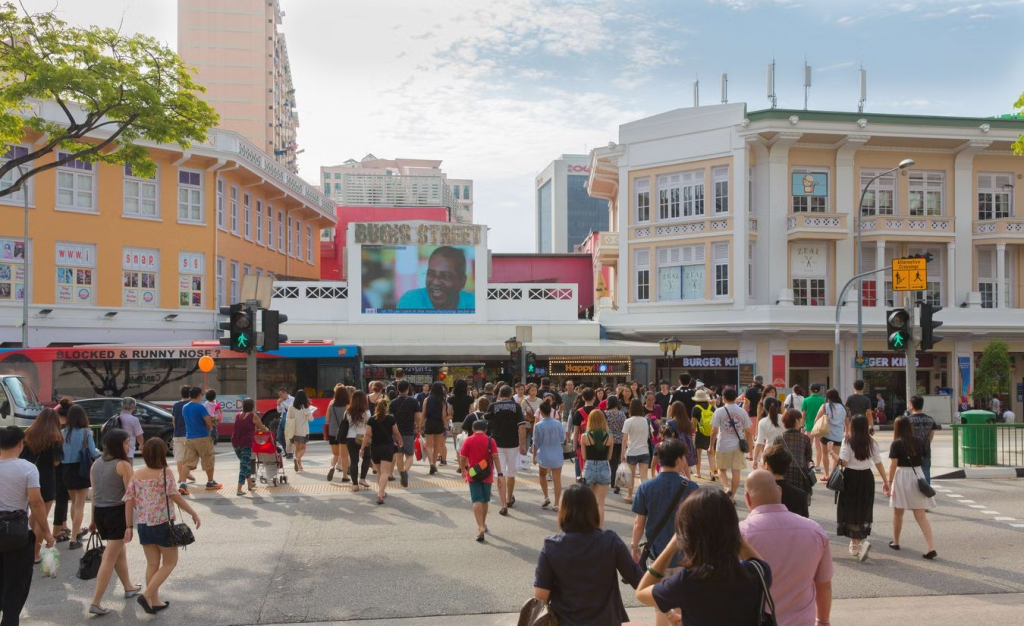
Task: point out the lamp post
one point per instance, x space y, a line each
512 344
28 274
670 344
904 164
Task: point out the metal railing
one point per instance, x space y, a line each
988 444
402 191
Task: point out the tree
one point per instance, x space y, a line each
992 376
1018 107
121 88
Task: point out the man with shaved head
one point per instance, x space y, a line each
797 550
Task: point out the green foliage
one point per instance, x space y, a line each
992 376
123 88
1018 107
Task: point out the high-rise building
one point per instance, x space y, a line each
242 60
566 213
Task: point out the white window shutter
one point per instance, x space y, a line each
643 184
985 262
663 257
720 252
643 259
698 254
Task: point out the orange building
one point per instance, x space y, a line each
115 257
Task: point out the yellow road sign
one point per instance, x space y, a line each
909 274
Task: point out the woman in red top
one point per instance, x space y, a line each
246 424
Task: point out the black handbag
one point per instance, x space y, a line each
179 535
89 564
85 456
766 618
537 613
13 530
923 485
835 479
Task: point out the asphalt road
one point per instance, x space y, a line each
313 552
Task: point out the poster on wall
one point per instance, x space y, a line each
417 279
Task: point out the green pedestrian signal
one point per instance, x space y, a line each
243 342
241 334
898 328
899 340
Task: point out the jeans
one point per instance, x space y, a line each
15 581
926 468
353 455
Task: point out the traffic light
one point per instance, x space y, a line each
272 337
531 363
928 326
242 336
898 329
517 363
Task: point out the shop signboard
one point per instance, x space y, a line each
589 368
746 374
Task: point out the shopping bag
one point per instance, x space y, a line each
524 461
623 477
419 449
50 562
89 564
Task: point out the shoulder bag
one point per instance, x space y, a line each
835 479
744 446
537 613
645 547
765 618
85 455
922 485
342 424
180 534
821 426
89 564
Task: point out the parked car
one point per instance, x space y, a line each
156 422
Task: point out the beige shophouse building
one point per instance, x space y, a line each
736 231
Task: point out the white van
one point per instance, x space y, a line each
18 402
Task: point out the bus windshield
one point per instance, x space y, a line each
24 397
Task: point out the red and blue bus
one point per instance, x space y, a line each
156 373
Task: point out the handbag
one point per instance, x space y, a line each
744 446
835 479
821 425
923 485
85 456
645 547
13 530
179 535
89 564
766 618
567 450
537 613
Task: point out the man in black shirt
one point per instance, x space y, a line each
685 392
664 397
407 413
589 398
753 396
859 404
508 428
778 460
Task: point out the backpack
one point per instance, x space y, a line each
111 424
704 423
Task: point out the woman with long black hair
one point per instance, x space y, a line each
300 414
436 414
382 439
857 499
905 454
334 425
78 441
60 507
357 414
715 585
44 447
769 428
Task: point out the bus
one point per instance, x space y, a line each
156 374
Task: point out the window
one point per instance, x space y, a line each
191 279
270 227
18 197
139 272
298 239
995 196
457 191
869 286
259 222
220 205
246 269
809 273
809 291
76 273
221 293
309 244
720 179
642 189
926 191
750 189
76 184
988 273
190 196
810 191
750 269
720 259
280 231
291 238
234 281
681 273
247 215
668 197
140 195
689 186
643 275
234 210
880 198
337 176
465 192
12 270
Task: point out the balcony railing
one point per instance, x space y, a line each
402 191
827 225
906 225
999 227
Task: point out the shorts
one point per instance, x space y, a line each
701 441
110 522
433 427
159 535
509 461
597 473
300 439
178 446
73 480
734 459
825 441
197 450
480 492
408 447
382 454
638 459
334 441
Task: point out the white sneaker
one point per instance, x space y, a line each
865 547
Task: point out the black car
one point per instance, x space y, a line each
156 422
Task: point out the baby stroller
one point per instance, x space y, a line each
268 458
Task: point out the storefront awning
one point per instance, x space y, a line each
542 348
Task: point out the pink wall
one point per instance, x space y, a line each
547 268
331 252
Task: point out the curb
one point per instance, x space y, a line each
990 473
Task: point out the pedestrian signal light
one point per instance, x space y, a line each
272 336
898 329
928 326
531 363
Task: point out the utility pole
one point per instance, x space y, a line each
911 367
250 356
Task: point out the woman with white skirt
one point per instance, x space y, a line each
905 459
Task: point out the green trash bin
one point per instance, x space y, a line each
978 445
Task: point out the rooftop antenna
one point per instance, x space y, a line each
725 88
863 90
696 92
807 83
771 84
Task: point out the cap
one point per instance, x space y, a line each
815 387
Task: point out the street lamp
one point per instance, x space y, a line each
670 344
904 164
28 274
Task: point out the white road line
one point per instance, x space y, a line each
1006 519
1017 525
990 512
954 495
966 501
976 506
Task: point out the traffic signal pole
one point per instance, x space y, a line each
911 367
837 366
250 357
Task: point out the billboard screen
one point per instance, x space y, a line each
418 279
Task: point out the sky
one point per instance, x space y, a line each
499 88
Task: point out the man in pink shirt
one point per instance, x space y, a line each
797 550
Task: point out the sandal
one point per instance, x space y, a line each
380 500
65 535
555 508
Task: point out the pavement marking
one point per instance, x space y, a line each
990 512
966 501
976 506
954 495
1017 525
1007 519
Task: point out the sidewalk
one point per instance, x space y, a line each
909 611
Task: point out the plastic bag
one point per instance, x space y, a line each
524 461
623 477
50 562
